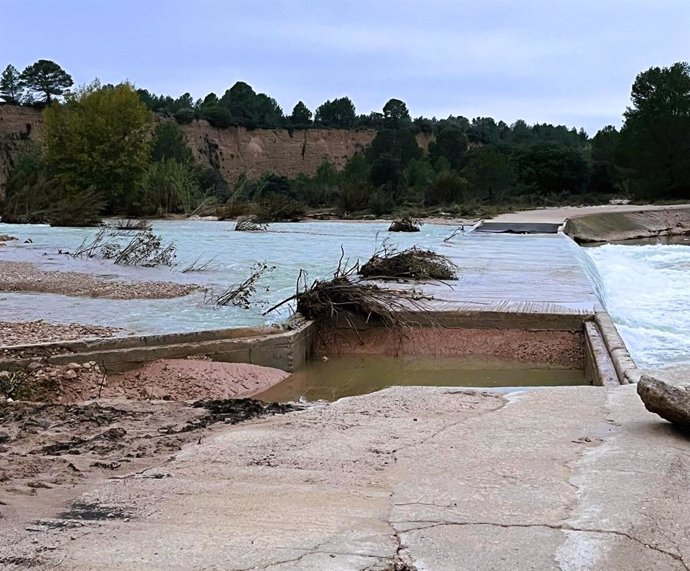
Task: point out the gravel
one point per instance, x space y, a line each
27 277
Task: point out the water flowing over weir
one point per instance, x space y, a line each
646 290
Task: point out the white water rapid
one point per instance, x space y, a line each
647 293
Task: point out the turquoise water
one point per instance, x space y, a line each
312 246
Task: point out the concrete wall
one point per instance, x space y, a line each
563 341
286 350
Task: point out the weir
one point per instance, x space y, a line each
531 300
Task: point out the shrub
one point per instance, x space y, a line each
184 116
381 202
277 207
217 117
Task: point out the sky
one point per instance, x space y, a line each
568 62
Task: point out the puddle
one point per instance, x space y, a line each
356 375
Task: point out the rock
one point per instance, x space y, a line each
671 402
73 366
5 375
70 374
154 393
33 366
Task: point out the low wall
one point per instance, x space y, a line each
286 350
619 226
583 342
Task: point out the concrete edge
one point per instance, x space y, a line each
599 365
286 350
626 369
152 340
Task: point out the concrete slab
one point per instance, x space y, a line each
515 273
562 478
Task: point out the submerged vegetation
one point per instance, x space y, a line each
115 150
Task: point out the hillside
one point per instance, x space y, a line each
234 151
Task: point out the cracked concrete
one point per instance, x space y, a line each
410 478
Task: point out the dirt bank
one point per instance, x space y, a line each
547 348
27 277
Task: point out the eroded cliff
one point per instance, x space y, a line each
234 151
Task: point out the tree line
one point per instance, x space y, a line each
116 150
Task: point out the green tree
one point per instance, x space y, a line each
451 142
98 142
46 79
301 116
395 113
169 142
167 187
655 140
489 172
605 178
11 85
548 168
217 116
399 143
338 114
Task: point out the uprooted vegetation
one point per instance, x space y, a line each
131 224
405 224
241 294
345 297
249 224
413 263
141 249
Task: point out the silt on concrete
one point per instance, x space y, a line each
562 478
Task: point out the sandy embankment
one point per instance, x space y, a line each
27 277
559 214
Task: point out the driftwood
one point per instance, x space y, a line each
413 264
346 297
241 294
249 224
405 224
131 224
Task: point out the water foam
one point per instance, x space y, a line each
647 293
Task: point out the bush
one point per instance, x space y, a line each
449 187
79 209
217 117
184 116
381 202
277 208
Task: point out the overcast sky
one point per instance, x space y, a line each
559 61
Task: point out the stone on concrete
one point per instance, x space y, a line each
671 402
